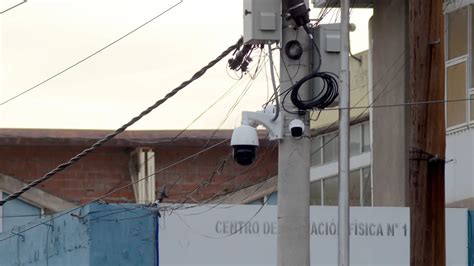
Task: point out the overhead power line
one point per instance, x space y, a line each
107 138
12 7
113 191
89 56
400 104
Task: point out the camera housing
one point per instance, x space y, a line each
296 127
244 143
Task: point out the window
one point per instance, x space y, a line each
327 189
18 212
365 137
457 33
354 188
356 140
316 158
325 148
330 147
459 67
366 187
315 192
330 191
456 82
472 107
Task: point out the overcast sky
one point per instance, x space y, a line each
42 37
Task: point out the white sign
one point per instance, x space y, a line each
247 234
228 235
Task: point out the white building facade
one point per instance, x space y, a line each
459 47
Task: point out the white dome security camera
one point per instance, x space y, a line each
296 127
244 142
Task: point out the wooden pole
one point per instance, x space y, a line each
427 136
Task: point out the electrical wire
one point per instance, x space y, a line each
257 164
230 234
400 104
329 90
89 56
330 140
323 99
229 192
234 86
114 191
107 138
235 104
227 92
275 90
12 7
386 87
115 210
227 189
373 101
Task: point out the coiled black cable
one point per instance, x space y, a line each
329 90
324 98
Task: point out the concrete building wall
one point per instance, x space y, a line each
388 29
459 184
98 234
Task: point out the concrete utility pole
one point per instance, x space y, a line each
293 162
344 123
427 135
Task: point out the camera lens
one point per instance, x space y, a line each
244 154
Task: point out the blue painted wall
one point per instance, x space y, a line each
470 237
18 212
98 234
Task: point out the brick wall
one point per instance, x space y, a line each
107 168
210 174
94 175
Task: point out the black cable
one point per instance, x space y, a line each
12 7
373 101
107 138
212 105
89 56
234 105
323 99
275 89
315 46
329 91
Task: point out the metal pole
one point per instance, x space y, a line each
344 120
293 163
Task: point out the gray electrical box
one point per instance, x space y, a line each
262 21
328 39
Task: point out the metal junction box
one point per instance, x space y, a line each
262 21
328 39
